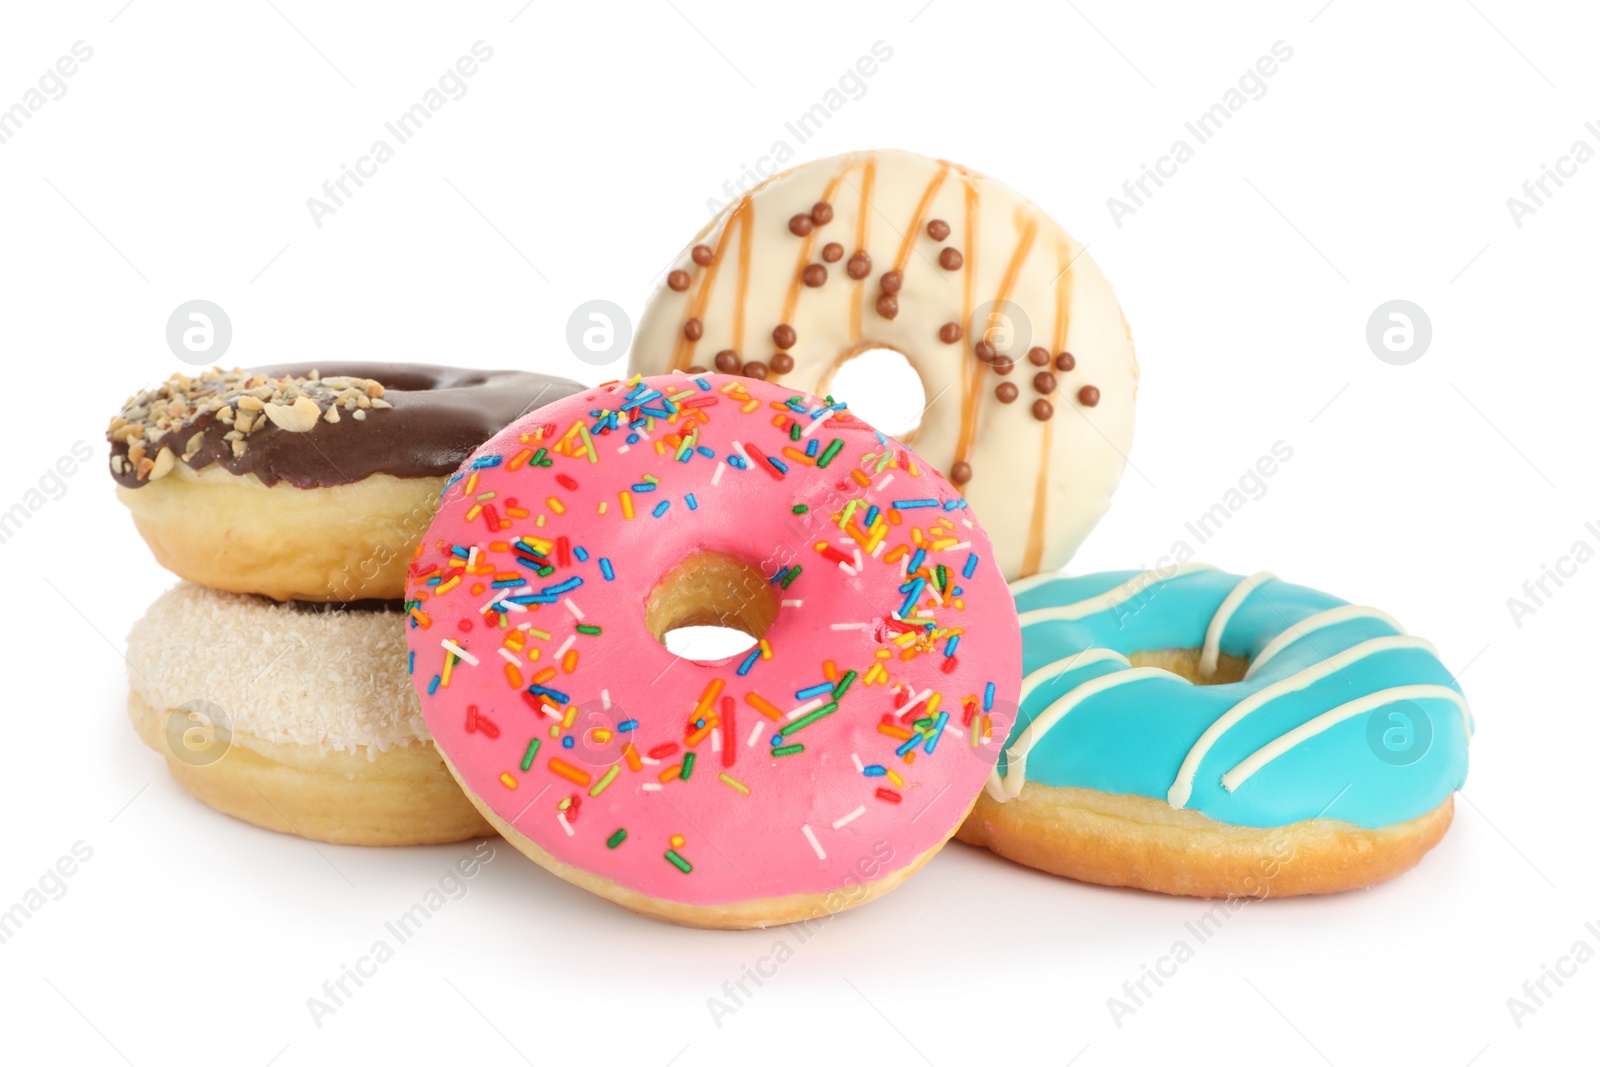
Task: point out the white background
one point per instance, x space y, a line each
1376 166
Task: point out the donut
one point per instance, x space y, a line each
1204 734
305 481
296 717
1025 359
811 773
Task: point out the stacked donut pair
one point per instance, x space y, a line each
1186 731
290 499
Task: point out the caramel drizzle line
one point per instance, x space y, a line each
807 243
922 209
969 408
869 171
683 348
1036 523
969 278
746 231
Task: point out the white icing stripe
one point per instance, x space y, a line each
1017 754
1183 785
1212 647
1071 663
1311 624
1129 589
1307 730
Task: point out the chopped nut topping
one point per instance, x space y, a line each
298 417
163 464
242 403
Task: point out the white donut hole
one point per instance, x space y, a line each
881 388
707 644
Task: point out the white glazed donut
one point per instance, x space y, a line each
1024 356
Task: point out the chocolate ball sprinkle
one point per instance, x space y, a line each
678 281
960 472
1042 410
727 361
702 255
814 275
1003 364
801 225
1006 392
1065 362
697 369
1039 357
888 306
832 252
938 229
1088 396
950 259
950 332
822 213
860 266
755 369
693 328
782 362
1044 382
783 335
890 282
984 351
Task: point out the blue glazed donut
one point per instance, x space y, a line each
1310 711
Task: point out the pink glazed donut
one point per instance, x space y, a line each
812 773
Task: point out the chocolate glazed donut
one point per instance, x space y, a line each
305 481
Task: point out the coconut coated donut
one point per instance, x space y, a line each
1022 349
1206 734
305 481
814 772
299 718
